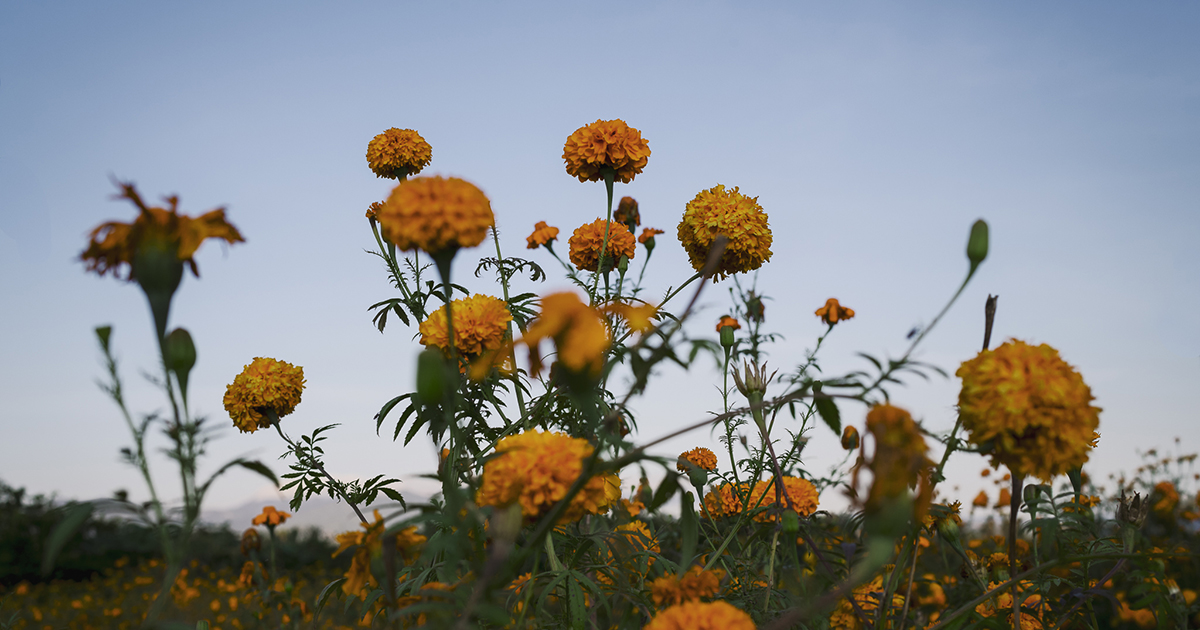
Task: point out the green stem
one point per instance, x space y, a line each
512 351
609 176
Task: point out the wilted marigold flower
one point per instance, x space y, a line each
717 615
536 468
113 243
264 385
1031 407
578 332
700 457
899 461
542 235
436 213
480 323
606 144
588 238
833 312
398 153
373 210
726 320
850 438
627 213
717 211
647 236
366 543
271 517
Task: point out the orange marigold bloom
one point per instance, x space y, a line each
1032 407
717 615
542 235
1000 606
700 457
606 144
398 153
264 385
833 312
727 500
250 541
480 324
715 212
726 320
113 244
536 468
868 597
1166 499
648 234
366 543
627 213
436 213
373 210
578 332
981 499
1005 498
695 585
588 238
640 318
850 439
271 517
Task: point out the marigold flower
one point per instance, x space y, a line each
271 517
630 542
1030 407
726 320
250 541
435 213
640 318
717 615
542 235
899 460
868 597
981 499
578 332
264 385
606 144
627 213
113 244
1166 498
480 324
373 209
647 236
850 438
536 468
585 245
367 542
700 457
715 212
398 153
833 312
728 500
1000 606
695 585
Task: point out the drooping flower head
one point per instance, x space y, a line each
833 312
627 213
606 144
717 211
1029 407
398 153
699 457
113 243
589 238
271 517
647 237
542 235
480 323
695 615
264 385
536 468
436 213
577 330
727 320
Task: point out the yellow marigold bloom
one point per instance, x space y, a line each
868 597
1030 406
271 517
716 212
250 541
899 461
264 385
398 153
640 318
113 244
367 542
1000 606
648 234
542 235
585 245
695 585
833 312
726 500
726 320
627 213
409 542
1166 498
606 144
480 323
981 499
536 468
700 457
850 438
436 213
578 332
373 210
630 542
701 616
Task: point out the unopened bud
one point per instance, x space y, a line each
697 475
727 336
623 265
977 244
850 438
948 529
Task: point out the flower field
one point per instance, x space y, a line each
554 510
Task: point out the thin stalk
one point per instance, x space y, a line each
609 176
512 351
1014 507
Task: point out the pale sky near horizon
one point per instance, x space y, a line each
873 134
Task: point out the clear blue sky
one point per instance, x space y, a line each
872 133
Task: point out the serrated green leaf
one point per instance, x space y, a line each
829 413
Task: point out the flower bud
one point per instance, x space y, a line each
850 439
179 355
977 244
727 336
948 529
623 264
431 376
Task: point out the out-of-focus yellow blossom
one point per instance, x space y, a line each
578 332
627 213
833 312
1000 606
717 615
435 214
868 597
536 468
542 235
271 517
850 438
398 153
715 212
1030 407
640 318
365 544
1165 498
694 585
606 144
588 238
899 461
264 385
726 500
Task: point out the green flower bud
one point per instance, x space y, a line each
623 265
697 475
977 244
727 336
948 529
179 355
431 377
